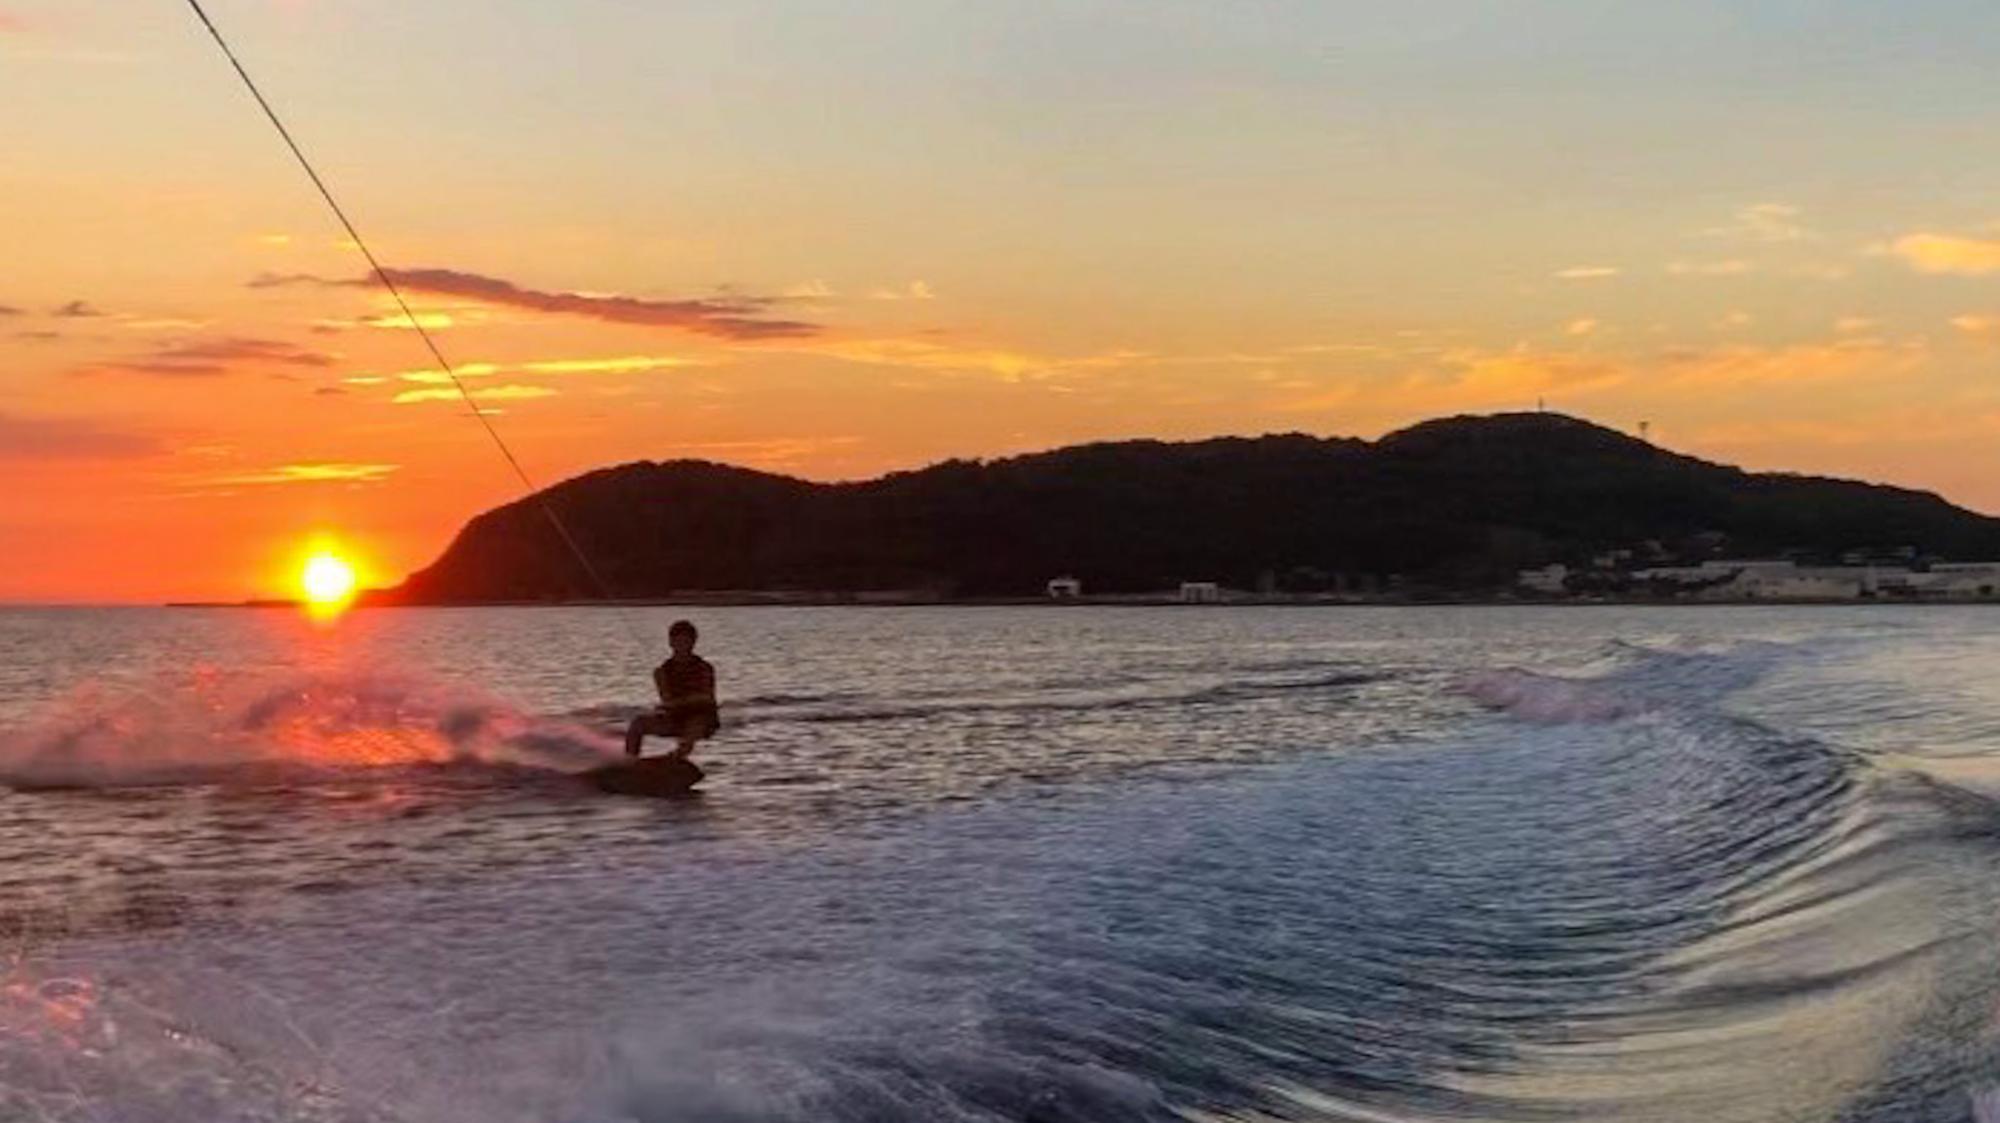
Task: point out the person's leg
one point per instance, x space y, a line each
643 726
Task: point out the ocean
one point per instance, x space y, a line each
1065 865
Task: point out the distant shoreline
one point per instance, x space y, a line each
777 600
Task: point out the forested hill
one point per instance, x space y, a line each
1458 504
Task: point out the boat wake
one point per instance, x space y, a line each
214 727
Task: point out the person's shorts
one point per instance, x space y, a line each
693 722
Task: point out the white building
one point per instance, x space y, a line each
1065 588
1548 579
1200 592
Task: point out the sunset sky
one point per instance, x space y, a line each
834 239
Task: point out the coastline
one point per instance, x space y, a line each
821 600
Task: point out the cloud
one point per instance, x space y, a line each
38 336
507 393
728 317
810 290
1584 326
313 472
1746 365
207 358
618 364
624 364
1850 325
1014 366
8 310
1586 272
50 438
772 451
1733 267
915 290
1986 329
429 321
1470 378
1946 253
13 24
76 310
1766 222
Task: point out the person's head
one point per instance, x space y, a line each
681 635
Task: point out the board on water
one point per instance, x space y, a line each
663 777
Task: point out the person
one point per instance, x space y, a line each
687 711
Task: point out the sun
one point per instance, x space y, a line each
327 581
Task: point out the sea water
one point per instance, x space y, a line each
1052 864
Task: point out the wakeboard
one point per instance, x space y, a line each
662 777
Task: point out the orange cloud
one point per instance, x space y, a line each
729 317
1766 222
1986 329
1469 378
509 393
1947 253
205 358
1014 366
1586 272
53 438
314 472
1747 365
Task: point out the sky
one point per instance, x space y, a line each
834 240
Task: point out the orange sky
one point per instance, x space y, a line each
834 243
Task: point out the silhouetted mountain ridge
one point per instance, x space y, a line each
1458 503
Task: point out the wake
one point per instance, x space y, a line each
211 725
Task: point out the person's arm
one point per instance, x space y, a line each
660 684
707 684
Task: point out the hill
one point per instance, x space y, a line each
1454 504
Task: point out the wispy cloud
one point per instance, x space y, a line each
1766 222
52 438
1986 329
1748 365
1948 253
732 317
397 321
1584 326
507 393
1732 267
925 354
915 290
1469 378
623 364
9 310
12 24
76 310
1586 272
315 472
770 451
207 358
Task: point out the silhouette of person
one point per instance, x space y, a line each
687 711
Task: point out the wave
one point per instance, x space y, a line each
210 725
1551 699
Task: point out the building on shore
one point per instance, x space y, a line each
1551 580
1774 579
1200 592
1065 588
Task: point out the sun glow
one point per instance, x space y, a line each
327 582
